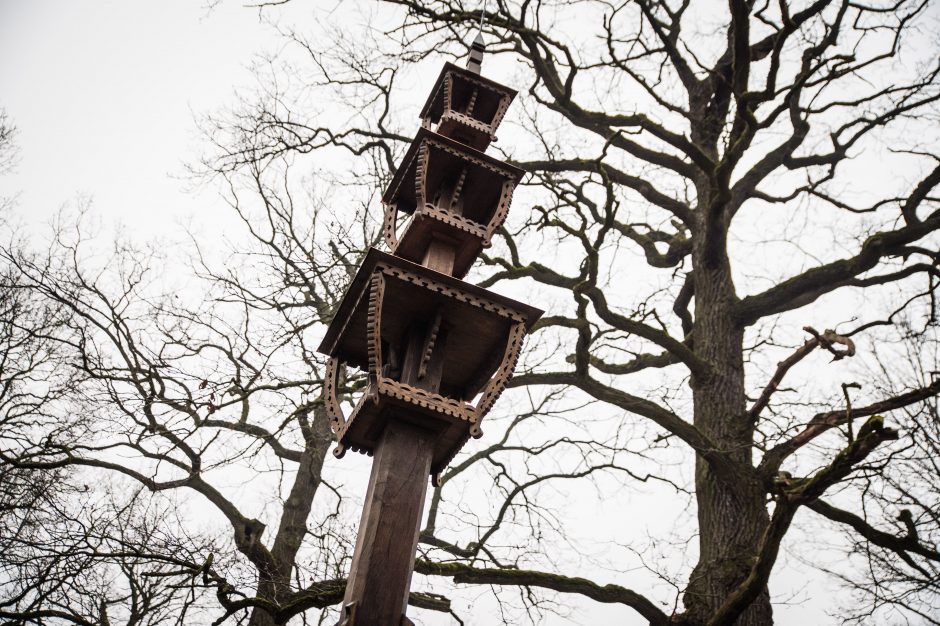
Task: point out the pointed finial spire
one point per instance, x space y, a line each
478 47
475 60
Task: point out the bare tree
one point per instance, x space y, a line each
187 391
701 174
177 390
765 115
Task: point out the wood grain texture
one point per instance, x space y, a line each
388 531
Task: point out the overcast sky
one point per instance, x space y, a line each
104 96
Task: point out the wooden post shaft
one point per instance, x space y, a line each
388 532
383 562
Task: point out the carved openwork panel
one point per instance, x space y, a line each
451 292
497 384
390 226
453 219
459 196
374 326
393 399
331 396
499 216
410 291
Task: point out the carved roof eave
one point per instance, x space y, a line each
402 173
470 77
361 282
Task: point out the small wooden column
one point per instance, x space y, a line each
430 343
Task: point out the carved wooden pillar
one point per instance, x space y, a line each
425 338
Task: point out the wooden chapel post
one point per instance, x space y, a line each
426 339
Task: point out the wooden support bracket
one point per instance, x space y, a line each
331 399
429 340
390 225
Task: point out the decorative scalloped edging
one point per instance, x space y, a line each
333 409
471 122
497 384
427 399
457 294
502 210
505 173
452 219
389 225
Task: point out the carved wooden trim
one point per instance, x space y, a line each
484 373
374 326
426 399
473 123
502 210
461 154
340 449
494 388
421 174
428 349
457 294
458 188
391 219
447 86
390 387
448 90
457 221
348 320
333 408
438 469
473 101
500 113
481 85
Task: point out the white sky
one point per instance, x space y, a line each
104 94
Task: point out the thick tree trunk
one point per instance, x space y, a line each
293 524
731 514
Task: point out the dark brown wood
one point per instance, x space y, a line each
428 223
439 256
479 319
388 531
466 106
445 159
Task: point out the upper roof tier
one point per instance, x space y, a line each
466 106
438 170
